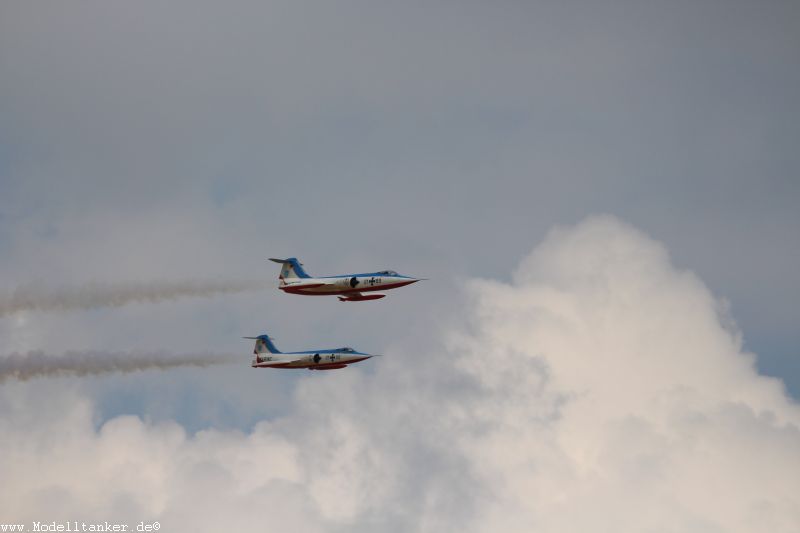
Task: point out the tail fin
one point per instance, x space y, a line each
290 268
263 345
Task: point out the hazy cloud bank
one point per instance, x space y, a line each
599 390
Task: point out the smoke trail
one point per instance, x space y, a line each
38 298
37 364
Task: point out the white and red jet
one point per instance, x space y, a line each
268 356
349 287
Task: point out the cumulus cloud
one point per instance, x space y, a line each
599 390
36 297
37 364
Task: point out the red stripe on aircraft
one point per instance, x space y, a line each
314 366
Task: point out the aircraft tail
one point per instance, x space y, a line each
264 344
290 268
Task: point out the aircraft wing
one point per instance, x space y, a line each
304 285
298 361
357 297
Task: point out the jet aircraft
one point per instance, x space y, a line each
268 356
349 287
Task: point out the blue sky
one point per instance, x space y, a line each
444 145
195 140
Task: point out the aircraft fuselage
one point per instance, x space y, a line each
318 360
349 287
345 285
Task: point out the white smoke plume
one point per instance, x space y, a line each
33 297
599 390
37 364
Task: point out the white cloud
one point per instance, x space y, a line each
600 390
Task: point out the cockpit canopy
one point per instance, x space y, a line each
347 349
387 273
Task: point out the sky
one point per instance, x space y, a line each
603 195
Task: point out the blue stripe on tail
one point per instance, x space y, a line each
290 268
298 268
268 344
